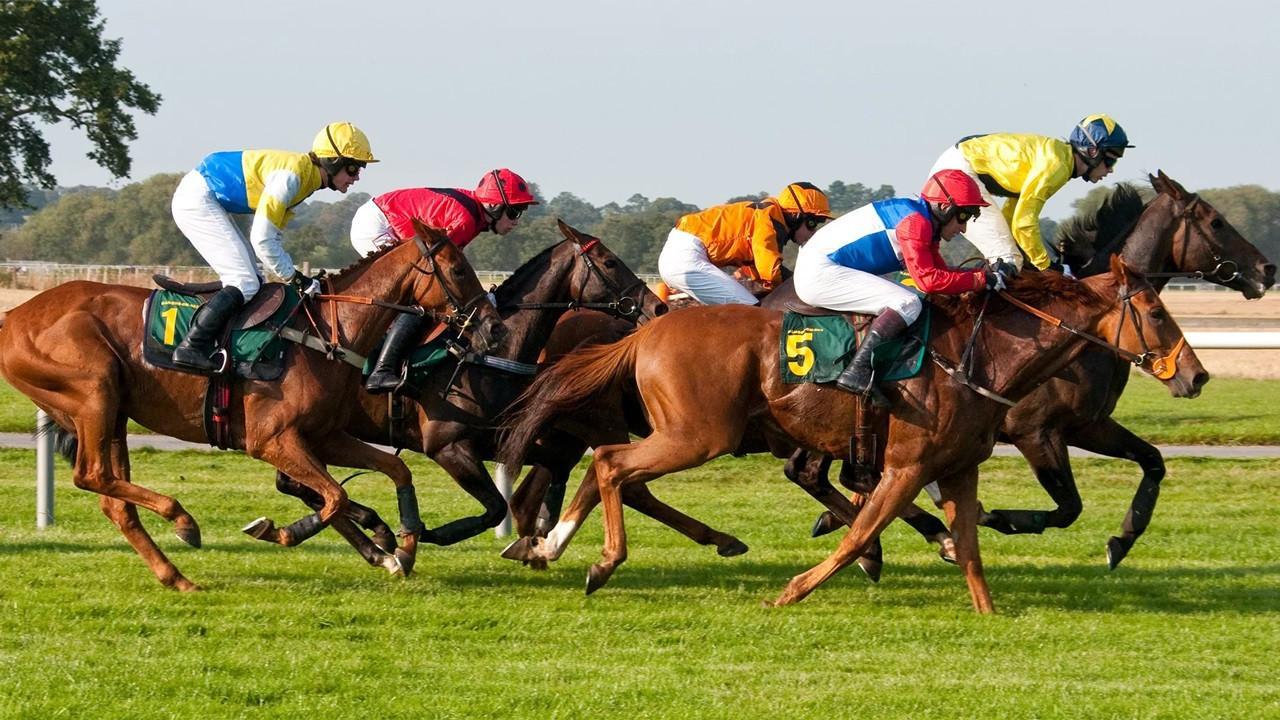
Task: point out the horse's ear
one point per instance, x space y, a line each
1121 270
431 235
568 231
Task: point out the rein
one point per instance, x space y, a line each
624 306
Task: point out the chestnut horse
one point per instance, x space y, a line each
76 351
1176 234
452 418
943 422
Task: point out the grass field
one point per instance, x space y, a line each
1187 627
1231 411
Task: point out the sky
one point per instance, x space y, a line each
696 100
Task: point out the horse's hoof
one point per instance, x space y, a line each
522 549
871 567
392 564
825 524
733 549
261 529
1117 549
182 584
384 539
947 550
189 534
406 559
539 564
597 576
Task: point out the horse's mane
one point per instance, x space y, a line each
1080 239
367 259
1037 289
536 260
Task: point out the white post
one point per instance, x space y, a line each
504 478
44 471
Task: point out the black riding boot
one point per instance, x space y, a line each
206 327
386 376
857 377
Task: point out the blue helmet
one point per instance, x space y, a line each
1096 133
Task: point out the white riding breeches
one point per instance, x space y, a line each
685 266
821 282
990 231
217 239
370 230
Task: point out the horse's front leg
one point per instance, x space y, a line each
1114 440
464 465
960 500
307 527
1046 453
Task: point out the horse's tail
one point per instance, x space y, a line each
568 385
65 442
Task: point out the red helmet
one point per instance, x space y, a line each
504 187
953 188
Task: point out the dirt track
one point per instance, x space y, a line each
1194 311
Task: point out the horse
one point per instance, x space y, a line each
1176 234
76 351
451 419
943 422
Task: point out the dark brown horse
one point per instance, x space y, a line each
1176 233
454 415
76 351
939 427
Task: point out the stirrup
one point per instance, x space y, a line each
222 360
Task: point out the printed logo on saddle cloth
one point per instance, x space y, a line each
168 317
816 349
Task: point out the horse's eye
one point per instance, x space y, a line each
611 263
1158 314
1216 223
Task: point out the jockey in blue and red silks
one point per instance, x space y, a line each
495 205
840 267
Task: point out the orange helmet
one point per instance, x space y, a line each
804 198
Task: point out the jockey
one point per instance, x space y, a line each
1029 169
495 205
749 234
840 267
266 184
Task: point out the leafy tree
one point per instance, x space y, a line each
752 197
844 198
55 66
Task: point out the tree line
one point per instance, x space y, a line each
133 225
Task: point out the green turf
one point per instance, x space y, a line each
1232 411
1186 628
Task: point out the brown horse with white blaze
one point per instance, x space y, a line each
939 429
76 351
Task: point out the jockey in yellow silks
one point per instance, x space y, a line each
267 184
1027 170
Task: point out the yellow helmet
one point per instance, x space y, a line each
804 198
343 140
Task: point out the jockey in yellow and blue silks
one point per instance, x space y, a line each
267 184
1028 170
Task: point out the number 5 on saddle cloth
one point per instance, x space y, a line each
816 348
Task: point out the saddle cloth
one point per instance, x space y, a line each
816 348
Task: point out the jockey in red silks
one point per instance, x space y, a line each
266 184
840 267
495 205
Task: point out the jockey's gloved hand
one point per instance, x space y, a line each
306 285
999 274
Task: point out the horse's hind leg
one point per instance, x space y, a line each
125 517
1113 439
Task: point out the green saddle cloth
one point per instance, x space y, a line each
253 349
817 349
422 361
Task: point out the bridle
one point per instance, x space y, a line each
622 306
1225 272
1161 367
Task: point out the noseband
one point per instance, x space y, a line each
1225 272
622 306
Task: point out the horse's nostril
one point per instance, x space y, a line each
1269 274
660 309
1200 379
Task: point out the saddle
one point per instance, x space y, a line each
251 338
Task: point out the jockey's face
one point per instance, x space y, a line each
953 227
